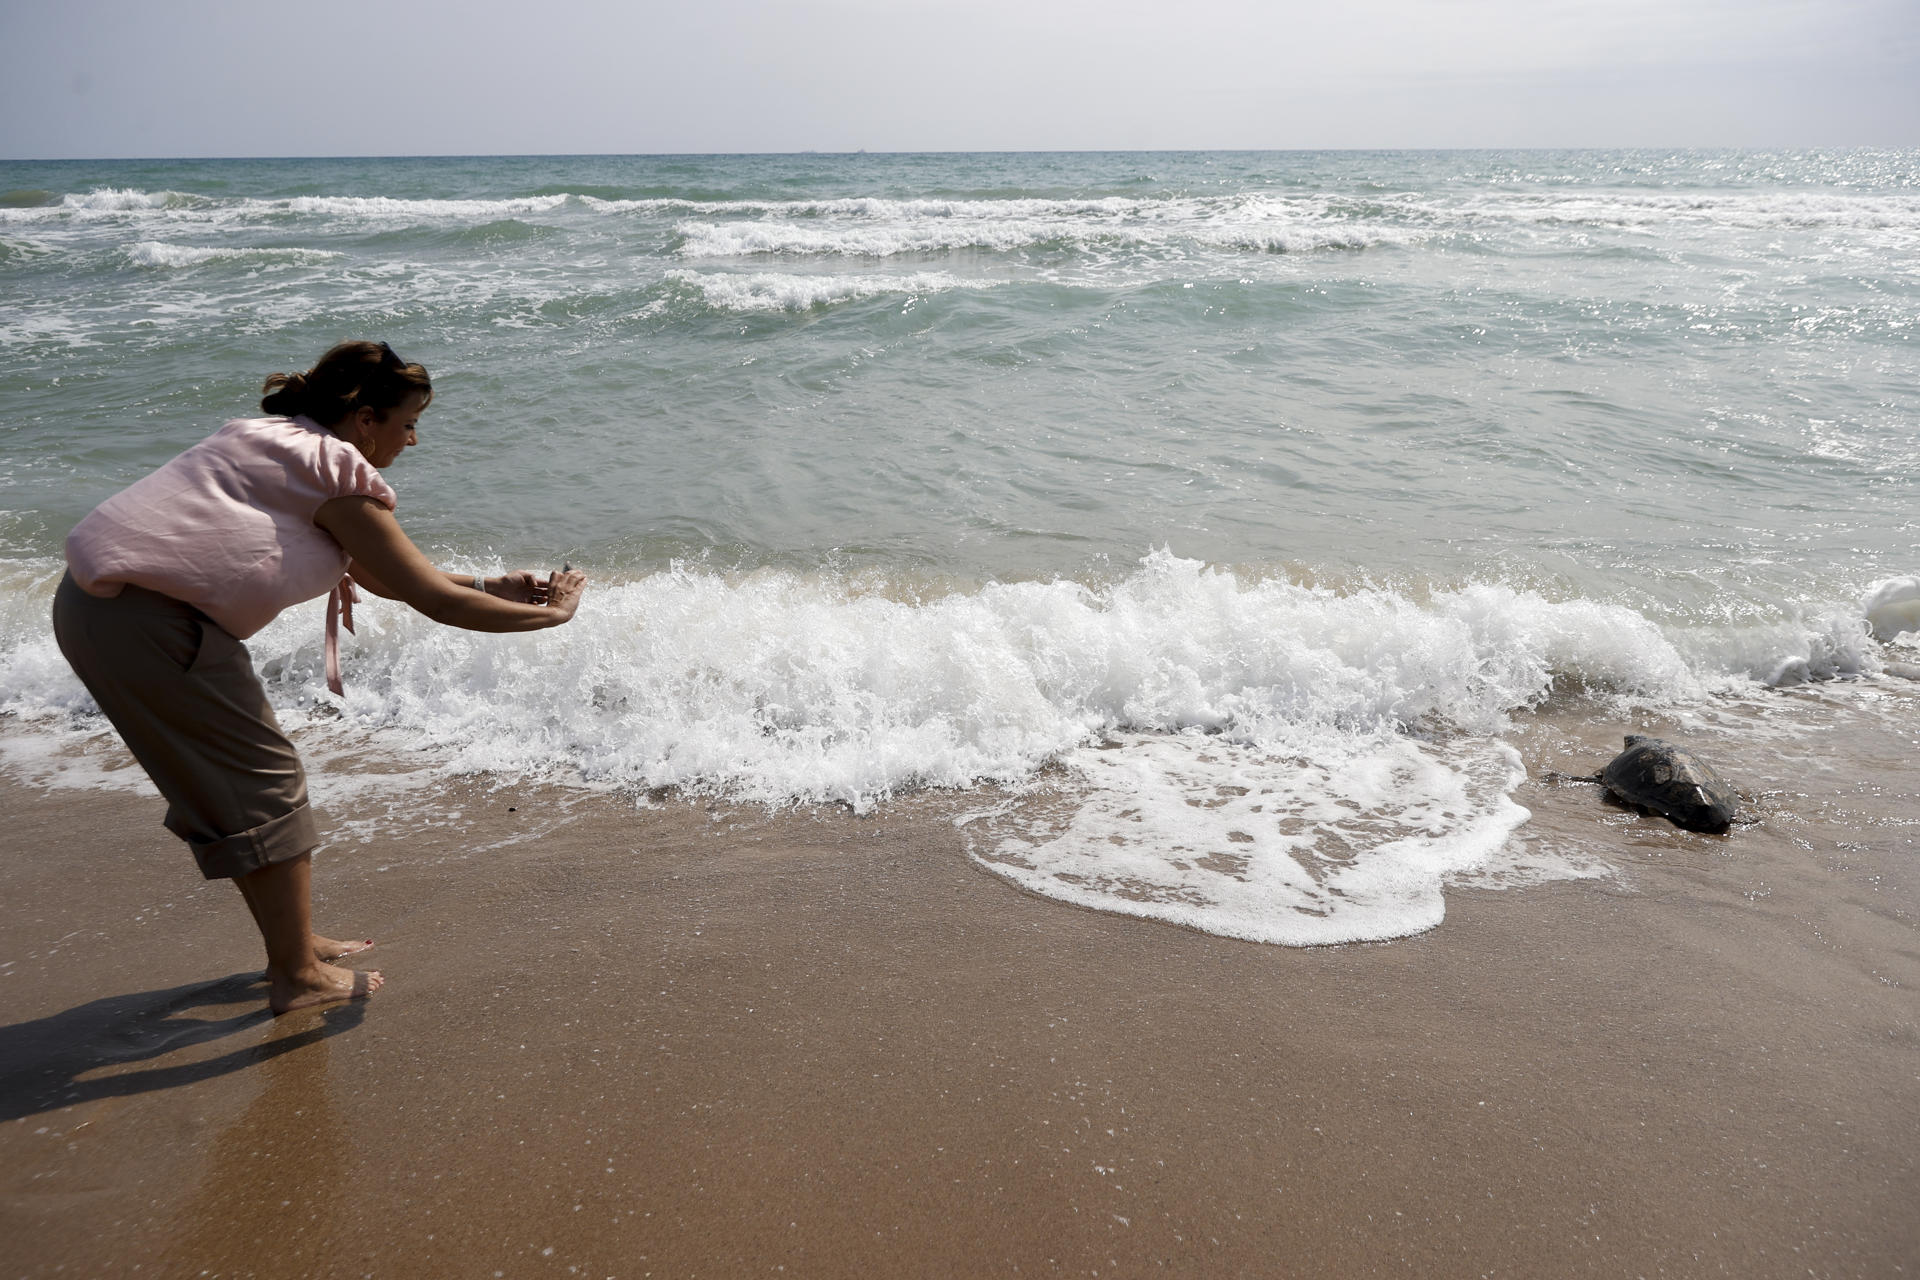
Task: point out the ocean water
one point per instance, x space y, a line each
1215 517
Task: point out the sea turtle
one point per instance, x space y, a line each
1662 778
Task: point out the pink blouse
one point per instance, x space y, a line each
228 525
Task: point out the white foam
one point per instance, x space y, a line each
775 291
1353 842
22 327
127 199
1892 607
1243 754
779 686
881 209
35 681
20 249
1258 221
1650 210
393 208
1812 642
72 760
888 228
743 239
174 208
1301 237
1394 217
153 253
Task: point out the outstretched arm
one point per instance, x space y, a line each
522 584
395 568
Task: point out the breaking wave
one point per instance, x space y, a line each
774 291
153 253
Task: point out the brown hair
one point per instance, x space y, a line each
351 376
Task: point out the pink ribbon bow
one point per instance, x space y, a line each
340 602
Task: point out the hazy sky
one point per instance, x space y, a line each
111 78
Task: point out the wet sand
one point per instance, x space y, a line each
699 1041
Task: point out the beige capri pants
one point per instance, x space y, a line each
182 692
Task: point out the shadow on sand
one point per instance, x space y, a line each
42 1062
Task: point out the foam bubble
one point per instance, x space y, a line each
180 208
35 681
391 207
779 686
72 761
1892 607
1812 642
127 199
1648 210
15 249
773 291
882 209
743 239
1353 842
1243 754
1260 221
153 253
888 228
23 328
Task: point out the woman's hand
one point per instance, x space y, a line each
560 590
564 589
523 586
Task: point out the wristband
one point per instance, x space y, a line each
479 584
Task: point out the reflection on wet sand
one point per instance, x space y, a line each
268 1203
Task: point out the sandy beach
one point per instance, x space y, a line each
695 1040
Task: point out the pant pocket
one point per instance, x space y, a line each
217 648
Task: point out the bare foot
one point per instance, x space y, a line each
327 950
320 984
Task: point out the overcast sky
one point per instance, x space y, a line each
129 78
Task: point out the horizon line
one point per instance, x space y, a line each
999 151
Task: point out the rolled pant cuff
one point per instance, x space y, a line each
280 839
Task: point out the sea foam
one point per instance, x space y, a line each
1892 607
1238 753
903 228
395 208
778 686
778 291
125 200
1353 844
153 253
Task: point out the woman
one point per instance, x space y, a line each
165 578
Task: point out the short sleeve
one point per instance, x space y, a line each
345 472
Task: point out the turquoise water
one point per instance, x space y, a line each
1624 372
911 470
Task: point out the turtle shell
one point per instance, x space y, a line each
1672 781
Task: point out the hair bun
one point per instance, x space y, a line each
286 394
350 376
